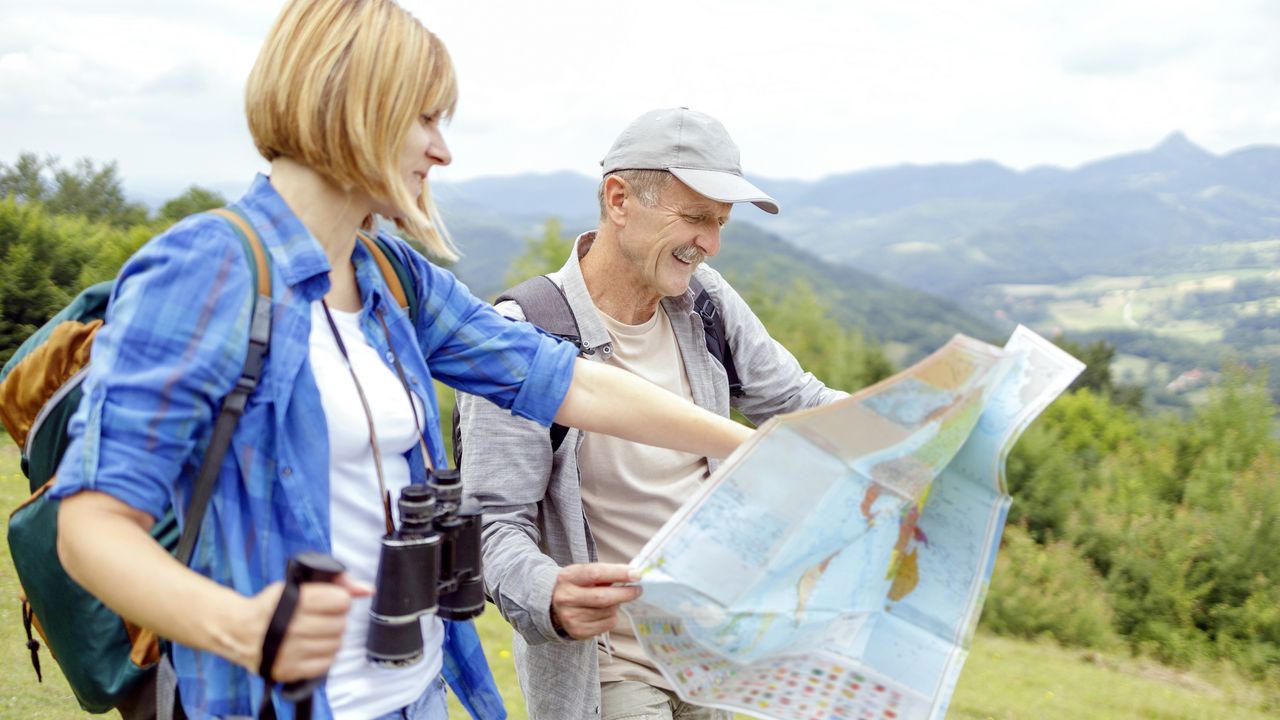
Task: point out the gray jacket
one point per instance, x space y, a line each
534 522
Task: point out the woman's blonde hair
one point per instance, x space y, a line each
337 86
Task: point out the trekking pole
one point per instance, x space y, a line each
303 568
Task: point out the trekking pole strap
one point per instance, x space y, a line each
303 568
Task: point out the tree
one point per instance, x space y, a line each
1097 357
25 181
45 260
95 193
543 254
801 320
28 293
195 200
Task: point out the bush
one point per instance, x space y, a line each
1047 591
46 259
1157 596
1058 459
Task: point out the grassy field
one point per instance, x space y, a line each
1003 679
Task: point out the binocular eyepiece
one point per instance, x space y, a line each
430 564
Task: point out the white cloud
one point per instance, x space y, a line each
808 88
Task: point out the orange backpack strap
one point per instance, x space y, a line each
261 270
394 273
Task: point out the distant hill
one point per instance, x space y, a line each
566 195
954 228
884 310
951 228
1171 243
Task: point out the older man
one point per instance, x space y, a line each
564 515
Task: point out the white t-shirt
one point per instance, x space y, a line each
629 490
356 688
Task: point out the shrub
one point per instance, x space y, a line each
1047 591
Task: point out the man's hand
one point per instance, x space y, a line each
315 632
585 598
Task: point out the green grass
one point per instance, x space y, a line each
1003 678
1006 679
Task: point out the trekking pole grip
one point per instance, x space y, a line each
303 568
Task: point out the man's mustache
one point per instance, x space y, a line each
690 254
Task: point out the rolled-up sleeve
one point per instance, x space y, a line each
473 348
171 348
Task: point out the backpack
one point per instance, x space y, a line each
544 304
108 661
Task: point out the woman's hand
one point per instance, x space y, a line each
314 634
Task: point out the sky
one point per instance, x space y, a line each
807 88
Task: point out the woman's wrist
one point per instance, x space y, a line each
236 632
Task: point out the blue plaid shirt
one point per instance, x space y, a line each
173 346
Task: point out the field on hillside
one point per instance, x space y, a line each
1188 306
1225 303
1003 679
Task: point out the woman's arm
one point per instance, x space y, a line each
607 400
134 576
161 365
471 347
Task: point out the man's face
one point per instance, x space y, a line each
663 244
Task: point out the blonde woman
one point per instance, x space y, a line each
345 102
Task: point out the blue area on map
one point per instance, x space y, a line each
909 402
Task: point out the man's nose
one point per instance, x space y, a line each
708 242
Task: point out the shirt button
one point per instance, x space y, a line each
286 471
390 356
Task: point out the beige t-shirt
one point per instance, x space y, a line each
630 490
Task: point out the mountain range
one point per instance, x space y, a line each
955 233
951 228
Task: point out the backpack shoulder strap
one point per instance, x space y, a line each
394 274
234 403
258 259
544 304
716 336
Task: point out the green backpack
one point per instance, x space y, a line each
108 661
104 657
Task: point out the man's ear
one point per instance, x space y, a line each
616 193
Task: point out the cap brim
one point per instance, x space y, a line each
725 187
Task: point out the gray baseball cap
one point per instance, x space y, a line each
694 147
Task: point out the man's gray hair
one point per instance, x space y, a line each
646 184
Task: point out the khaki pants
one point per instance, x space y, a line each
630 700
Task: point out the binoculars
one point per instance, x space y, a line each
430 564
